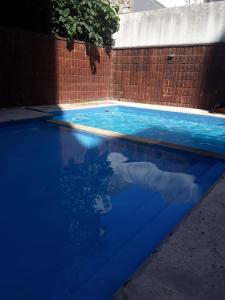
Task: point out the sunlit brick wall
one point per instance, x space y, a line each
195 77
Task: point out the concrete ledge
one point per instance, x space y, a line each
190 264
123 102
185 110
112 134
72 106
20 114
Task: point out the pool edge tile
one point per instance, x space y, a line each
112 134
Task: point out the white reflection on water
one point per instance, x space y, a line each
174 186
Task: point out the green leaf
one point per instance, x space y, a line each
87 20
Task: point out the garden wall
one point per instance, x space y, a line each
189 76
38 69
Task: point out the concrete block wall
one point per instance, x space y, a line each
188 25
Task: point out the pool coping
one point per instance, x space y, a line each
103 103
113 134
72 106
21 115
180 109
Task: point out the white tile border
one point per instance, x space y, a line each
185 110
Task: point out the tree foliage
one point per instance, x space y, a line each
87 20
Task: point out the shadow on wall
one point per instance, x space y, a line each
39 69
36 68
92 52
28 66
214 77
28 69
94 56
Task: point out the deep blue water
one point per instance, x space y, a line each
202 132
79 213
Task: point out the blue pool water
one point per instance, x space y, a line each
80 213
196 131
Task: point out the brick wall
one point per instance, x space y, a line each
194 78
38 69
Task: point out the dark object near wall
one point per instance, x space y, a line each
218 108
170 58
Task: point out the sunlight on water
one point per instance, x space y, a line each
206 133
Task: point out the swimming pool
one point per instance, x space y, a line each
195 131
79 213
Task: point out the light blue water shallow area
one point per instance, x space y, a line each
196 131
80 213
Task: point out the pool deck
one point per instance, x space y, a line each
190 263
71 106
20 114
